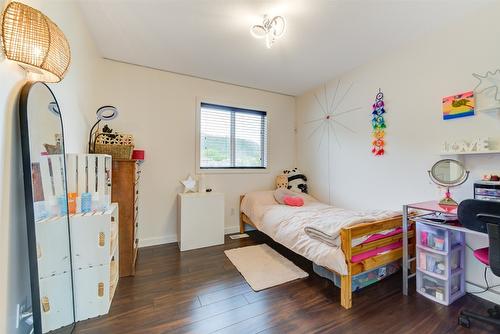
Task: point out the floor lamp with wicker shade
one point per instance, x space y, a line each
32 40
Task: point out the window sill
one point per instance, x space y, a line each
233 171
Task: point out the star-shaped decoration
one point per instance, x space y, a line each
490 80
189 184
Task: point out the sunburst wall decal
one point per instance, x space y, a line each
330 121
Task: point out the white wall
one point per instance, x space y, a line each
73 96
414 80
159 109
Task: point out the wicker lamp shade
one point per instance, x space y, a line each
35 42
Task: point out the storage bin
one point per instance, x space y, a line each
439 239
442 291
361 280
439 264
116 151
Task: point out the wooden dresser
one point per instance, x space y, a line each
125 192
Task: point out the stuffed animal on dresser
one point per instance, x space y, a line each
296 180
282 181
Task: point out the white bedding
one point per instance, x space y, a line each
286 225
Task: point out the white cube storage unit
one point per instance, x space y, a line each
200 220
94 244
56 302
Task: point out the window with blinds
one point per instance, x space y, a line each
232 138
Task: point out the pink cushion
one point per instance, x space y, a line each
482 255
371 253
378 236
293 201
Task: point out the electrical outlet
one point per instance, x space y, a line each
232 211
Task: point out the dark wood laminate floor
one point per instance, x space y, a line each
200 291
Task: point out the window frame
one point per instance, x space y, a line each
232 106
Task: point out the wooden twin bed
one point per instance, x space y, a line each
347 235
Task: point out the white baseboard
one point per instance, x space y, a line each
491 295
167 239
231 229
154 241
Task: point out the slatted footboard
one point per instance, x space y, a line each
349 233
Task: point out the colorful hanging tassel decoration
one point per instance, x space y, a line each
378 124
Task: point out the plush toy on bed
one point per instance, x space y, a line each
296 180
282 181
288 197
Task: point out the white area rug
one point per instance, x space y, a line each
263 267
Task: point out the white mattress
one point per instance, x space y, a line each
285 224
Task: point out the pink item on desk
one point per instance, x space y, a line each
293 201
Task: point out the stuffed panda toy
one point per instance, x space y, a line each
296 180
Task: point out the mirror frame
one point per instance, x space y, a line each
29 207
463 177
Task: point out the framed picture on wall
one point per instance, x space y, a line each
457 106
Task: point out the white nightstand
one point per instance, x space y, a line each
200 220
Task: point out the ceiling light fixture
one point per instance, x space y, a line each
271 29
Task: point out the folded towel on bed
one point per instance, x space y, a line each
326 227
321 236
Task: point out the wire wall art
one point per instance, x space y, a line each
327 125
487 81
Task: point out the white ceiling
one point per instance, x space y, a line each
210 38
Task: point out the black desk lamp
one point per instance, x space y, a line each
104 113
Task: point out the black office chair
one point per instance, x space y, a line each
483 216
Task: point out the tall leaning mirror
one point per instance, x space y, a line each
42 140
